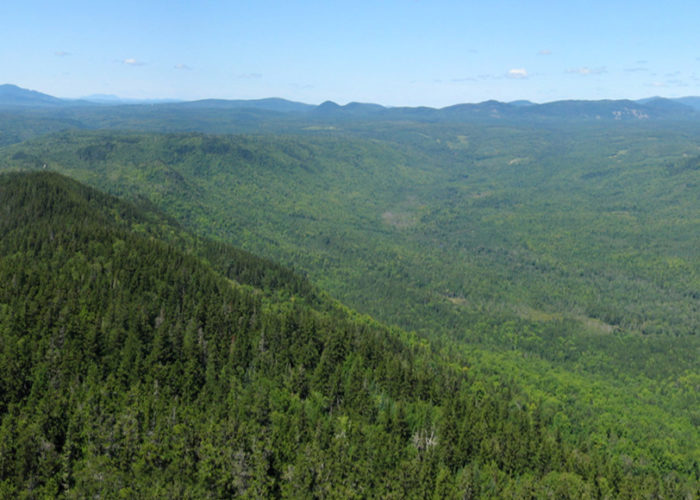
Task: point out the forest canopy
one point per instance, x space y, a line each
410 310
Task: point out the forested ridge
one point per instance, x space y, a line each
578 245
131 366
541 278
569 223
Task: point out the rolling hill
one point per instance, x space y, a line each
236 115
480 221
538 267
130 366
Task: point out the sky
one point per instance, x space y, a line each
392 52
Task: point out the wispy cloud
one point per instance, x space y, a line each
61 53
518 73
133 62
586 71
636 70
544 52
677 83
181 66
513 73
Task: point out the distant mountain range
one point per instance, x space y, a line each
653 108
12 95
116 100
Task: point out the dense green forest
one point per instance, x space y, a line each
131 367
532 225
541 282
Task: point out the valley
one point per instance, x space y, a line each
510 304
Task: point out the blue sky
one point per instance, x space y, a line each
410 52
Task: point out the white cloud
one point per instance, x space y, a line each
586 71
517 73
545 52
182 66
132 62
61 53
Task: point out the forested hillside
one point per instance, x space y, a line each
593 229
131 367
368 250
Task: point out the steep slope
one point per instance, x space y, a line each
131 368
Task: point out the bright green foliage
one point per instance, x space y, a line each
586 234
557 260
131 367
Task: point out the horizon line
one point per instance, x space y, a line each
116 100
